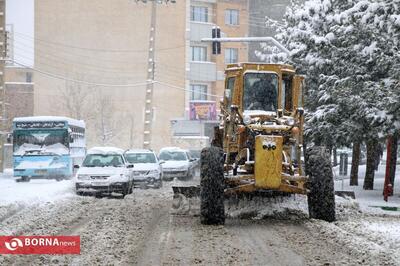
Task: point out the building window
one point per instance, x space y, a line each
28 77
199 53
231 55
198 92
199 13
232 17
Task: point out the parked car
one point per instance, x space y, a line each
104 170
195 154
178 163
148 170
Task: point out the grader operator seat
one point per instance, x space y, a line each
261 92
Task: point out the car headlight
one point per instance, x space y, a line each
83 177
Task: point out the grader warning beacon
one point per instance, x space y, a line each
258 144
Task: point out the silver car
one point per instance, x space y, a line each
147 171
178 163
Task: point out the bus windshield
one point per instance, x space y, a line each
41 142
260 91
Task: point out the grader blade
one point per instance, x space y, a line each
187 191
186 200
345 194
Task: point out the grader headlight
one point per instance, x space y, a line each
246 119
290 121
269 145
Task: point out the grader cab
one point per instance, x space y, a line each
258 145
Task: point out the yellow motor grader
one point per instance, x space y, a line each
258 145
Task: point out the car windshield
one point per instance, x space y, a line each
173 156
140 158
260 91
103 160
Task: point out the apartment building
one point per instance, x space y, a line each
93 60
205 70
19 92
93 63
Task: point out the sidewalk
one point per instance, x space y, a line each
368 198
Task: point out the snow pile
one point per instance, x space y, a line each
35 191
292 208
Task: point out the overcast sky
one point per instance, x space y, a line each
19 13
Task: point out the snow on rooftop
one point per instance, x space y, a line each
105 150
71 121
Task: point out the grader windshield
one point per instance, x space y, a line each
260 91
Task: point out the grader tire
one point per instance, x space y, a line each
212 210
321 198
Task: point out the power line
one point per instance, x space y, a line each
183 89
111 78
49 43
42 57
79 81
110 85
29 49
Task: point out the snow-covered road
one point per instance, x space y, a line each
142 230
35 191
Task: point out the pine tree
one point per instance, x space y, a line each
348 51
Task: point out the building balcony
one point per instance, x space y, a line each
200 30
203 71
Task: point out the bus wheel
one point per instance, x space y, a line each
23 179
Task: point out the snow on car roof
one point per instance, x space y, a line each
139 150
71 121
105 150
170 149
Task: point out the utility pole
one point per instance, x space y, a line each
3 54
148 110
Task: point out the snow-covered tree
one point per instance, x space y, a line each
348 49
75 99
104 119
